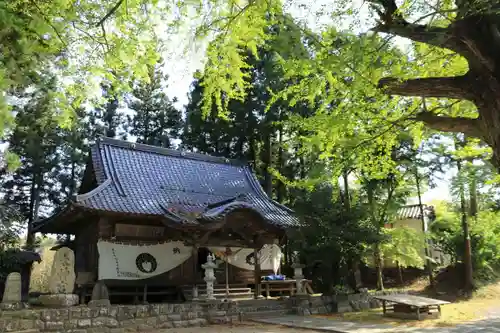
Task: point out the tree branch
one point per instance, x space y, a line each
468 126
393 22
436 36
456 87
111 12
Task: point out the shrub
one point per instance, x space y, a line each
485 240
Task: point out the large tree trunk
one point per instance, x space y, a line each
33 210
469 280
401 281
475 35
379 266
281 187
428 263
267 159
354 271
473 209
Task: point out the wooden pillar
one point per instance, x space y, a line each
257 275
195 270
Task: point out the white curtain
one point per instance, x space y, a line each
134 262
270 257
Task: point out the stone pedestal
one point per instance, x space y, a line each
209 276
59 300
298 276
100 295
62 281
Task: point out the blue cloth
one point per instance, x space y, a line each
274 277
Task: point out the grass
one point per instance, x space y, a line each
40 273
484 300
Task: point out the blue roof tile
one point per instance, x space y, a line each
141 179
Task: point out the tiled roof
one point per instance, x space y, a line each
413 212
184 187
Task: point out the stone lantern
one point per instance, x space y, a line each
298 276
209 276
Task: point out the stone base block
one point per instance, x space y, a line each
99 303
13 306
59 300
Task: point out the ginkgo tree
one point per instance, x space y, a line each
83 42
90 41
463 30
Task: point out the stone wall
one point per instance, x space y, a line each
142 318
306 305
131 318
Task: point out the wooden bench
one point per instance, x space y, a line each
288 286
410 306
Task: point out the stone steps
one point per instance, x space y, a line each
216 286
219 288
236 291
232 295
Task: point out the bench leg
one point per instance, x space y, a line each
268 293
418 313
384 309
145 295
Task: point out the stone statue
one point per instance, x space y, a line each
62 280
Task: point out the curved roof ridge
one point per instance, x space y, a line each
97 162
280 205
85 196
230 206
257 187
254 182
113 173
170 152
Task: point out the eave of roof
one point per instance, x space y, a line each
413 212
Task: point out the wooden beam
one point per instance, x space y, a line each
204 239
195 261
257 277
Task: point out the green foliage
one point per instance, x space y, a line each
155 121
83 42
404 247
264 137
35 140
9 161
484 232
332 237
9 230
107 119
9 239
8 263
52 158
